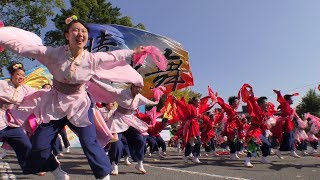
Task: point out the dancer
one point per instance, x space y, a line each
208 134
67 103
125 123
231 127
287 116
155 140
189 114
256 135
314 123
300 136
12 93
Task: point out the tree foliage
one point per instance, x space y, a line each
30 15
186 93
309 103
90 11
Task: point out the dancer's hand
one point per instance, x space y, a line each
276 91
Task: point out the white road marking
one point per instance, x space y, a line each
6 172
197 173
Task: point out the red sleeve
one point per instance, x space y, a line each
218 118
206 120
226 107
156 129
286 110
143 117
253 107
182 111
280 98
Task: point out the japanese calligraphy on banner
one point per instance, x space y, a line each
113 37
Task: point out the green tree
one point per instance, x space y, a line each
90 11
309 103
30 15
186 93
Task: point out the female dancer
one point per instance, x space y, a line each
233 124
67 103
11 94
124 122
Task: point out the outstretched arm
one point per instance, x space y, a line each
116 55
24 43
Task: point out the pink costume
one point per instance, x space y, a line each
10 98
124 116
106 114
68 97
314 123
300 134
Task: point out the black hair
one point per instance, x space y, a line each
164 120
279 107
261 99
287 97
46 84
218 109
11 68
68 26
193 100
103 104
232 99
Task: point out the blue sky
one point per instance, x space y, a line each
269 44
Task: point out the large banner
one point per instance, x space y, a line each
113 37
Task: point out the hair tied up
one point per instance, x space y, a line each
70 19
17 66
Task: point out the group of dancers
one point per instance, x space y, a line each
267 128
82 97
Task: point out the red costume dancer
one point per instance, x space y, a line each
191 131
219 121
257 132
208 134
286 121
232 125
155 138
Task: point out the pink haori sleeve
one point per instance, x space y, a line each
104 135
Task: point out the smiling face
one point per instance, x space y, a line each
110 106
17 77
77 36
135 90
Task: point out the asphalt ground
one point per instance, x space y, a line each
174 168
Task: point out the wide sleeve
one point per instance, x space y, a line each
253 107
101 91
117 55
118 71
25 43
29 90
226 107
218 118
280 98
145 101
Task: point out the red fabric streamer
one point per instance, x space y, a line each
244 92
